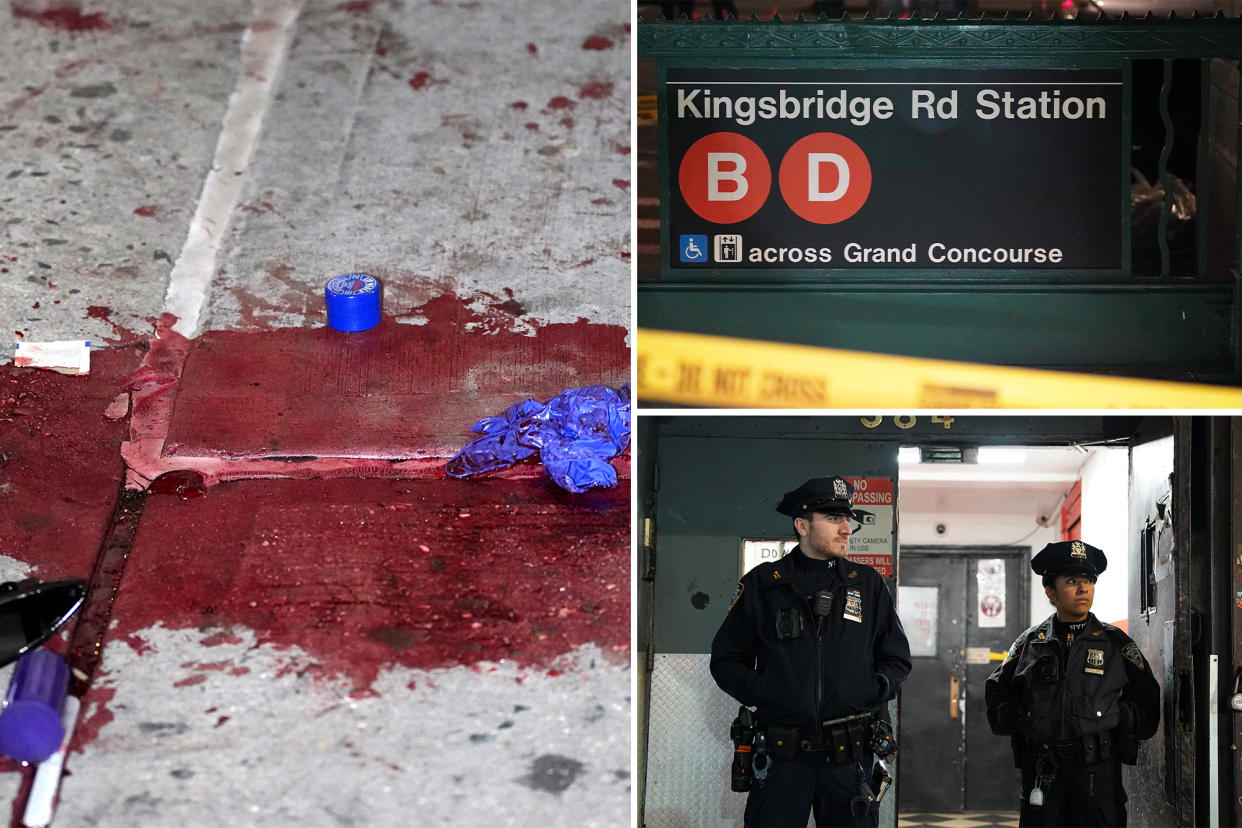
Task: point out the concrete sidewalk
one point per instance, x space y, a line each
387 646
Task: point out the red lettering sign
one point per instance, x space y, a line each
724 177
825 178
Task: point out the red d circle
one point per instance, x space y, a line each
724 177
825 178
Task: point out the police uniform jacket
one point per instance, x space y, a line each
1097 689
826 671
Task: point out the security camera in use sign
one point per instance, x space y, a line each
881 168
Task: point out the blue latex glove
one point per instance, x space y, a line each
575 434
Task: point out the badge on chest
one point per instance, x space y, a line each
853 605
1095 662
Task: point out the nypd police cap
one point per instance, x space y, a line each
831 495
1069 556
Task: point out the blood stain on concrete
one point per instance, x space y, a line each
301 391
596 89
147 210
183 483
123 335
621 184
561 102
511 305
63 17
424 79
96 714
334 567
60 467
597 43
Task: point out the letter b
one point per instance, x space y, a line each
724 177
716 173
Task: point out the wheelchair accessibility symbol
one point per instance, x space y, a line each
694 248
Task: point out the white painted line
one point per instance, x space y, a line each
41 802
263 48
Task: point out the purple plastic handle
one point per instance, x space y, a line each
30 725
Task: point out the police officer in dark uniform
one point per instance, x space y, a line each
1076 696
813 641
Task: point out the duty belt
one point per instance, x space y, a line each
843 739
1092 748
1064 750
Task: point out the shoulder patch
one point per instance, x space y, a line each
737 593
1013 652
1134 656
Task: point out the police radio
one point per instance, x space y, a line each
883 743
742 732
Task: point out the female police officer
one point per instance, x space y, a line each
813 641
1075 695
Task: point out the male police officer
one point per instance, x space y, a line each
1075 695
813 641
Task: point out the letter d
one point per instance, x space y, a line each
813 160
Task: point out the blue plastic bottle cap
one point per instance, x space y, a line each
30 725
353 301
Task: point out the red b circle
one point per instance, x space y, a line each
724 177
840 179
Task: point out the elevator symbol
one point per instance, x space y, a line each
728 248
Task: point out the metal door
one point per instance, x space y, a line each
950 759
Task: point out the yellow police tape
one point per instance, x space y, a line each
717 371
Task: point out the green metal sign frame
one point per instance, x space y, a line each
840 275
1104 321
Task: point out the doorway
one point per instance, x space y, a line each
971 519
961 608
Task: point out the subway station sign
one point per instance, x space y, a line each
888 169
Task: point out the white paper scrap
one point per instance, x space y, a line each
67 357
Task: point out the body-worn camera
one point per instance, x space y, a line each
788 623
742 732
1048 668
